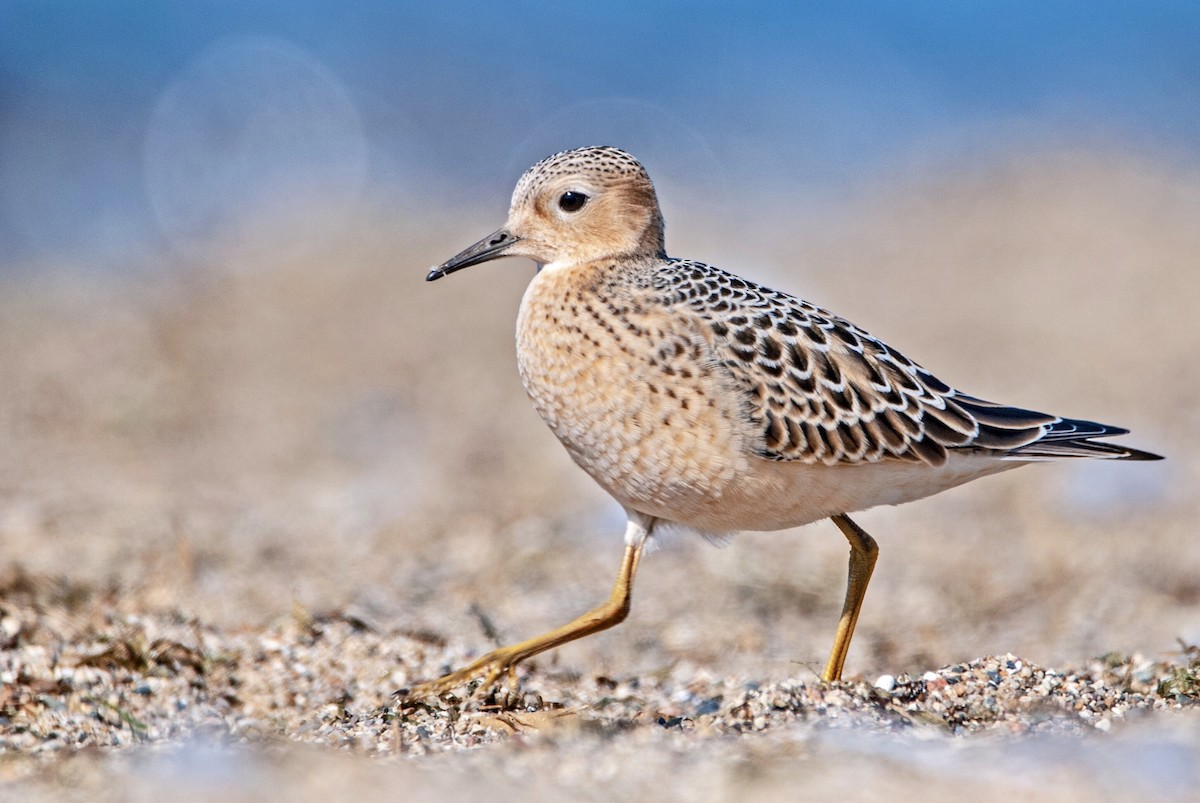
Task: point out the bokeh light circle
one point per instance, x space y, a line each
253 135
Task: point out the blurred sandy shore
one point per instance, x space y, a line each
320 430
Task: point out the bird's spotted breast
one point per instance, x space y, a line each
630 389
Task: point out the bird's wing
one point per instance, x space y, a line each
822 390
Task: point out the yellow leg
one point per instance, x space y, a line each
502 661
863 554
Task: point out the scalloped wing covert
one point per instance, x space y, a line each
822 390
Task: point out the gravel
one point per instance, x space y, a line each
82 680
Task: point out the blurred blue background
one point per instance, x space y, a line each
134 130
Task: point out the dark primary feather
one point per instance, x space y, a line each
822 390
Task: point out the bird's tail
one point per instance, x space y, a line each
1073 437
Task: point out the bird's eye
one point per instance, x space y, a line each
571 201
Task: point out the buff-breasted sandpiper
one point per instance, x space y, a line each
699 398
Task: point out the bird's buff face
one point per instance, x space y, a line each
574 208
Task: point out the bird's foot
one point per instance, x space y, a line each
491 667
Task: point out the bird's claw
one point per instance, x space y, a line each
492 667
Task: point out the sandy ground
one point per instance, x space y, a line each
222 467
